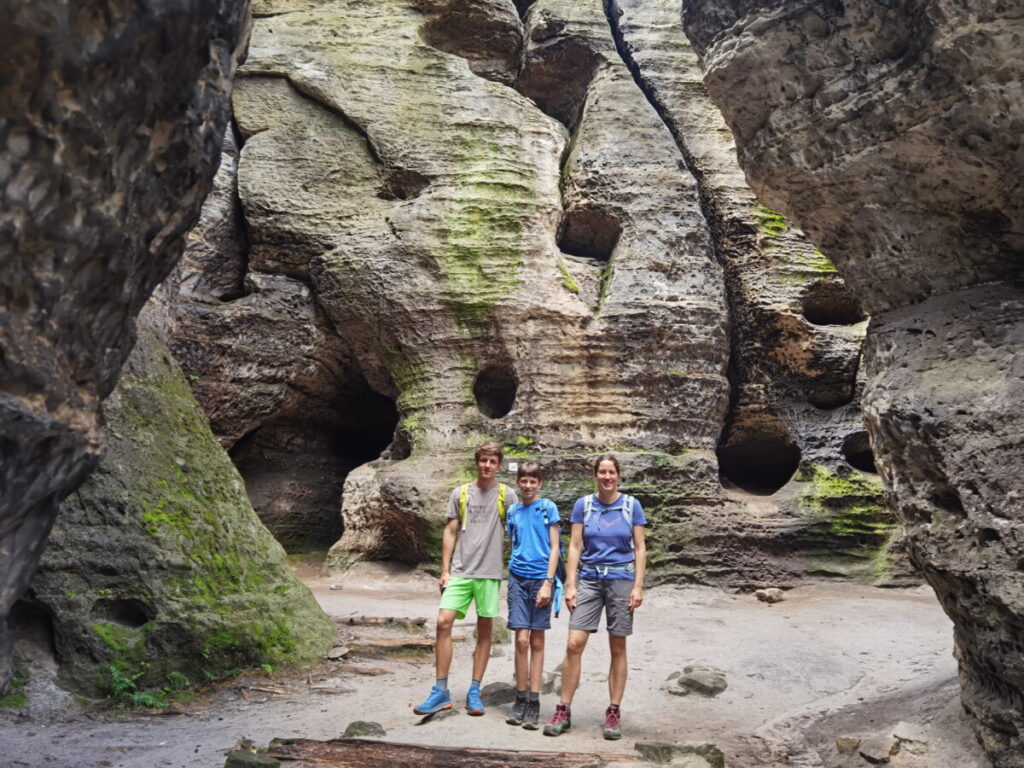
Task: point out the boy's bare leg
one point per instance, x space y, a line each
618 670
482 653
443 647
523 668
571 665
536 660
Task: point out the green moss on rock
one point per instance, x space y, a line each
164 531
772 224
849 519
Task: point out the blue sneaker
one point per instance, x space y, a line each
436 701
474 703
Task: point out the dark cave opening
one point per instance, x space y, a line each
830 302
858 454
32 625
557 74
295 465
127 612
758 457
495 390
589 232
402 184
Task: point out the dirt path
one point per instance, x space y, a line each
831 660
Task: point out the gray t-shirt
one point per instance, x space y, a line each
478 548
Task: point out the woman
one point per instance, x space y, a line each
607 547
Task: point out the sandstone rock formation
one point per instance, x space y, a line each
108 147
891 132
464 222
157 568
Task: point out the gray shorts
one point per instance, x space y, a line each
611 594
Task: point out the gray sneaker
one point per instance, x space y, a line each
515 717
531 715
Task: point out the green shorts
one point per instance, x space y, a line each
461 591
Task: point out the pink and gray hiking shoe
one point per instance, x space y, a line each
611 723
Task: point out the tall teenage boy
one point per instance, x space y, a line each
470 573
533 526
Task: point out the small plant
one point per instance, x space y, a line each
124 690
16 697
268 668
177 681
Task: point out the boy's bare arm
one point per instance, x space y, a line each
451 532
555 550
544 593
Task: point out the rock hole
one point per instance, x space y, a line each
489 36
987 536
589 232
522 6
827 398
948 500
495 391
758 456
128 612
33 630
402 184
556 75
858 454
295 464
829 302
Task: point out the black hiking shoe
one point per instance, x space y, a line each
531 715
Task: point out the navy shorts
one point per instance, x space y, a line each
523 612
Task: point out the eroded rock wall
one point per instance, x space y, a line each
108 147
892 134
522 223
157 567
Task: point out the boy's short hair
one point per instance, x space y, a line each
530 469
490 448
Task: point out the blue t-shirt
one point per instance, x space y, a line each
529 525
607 538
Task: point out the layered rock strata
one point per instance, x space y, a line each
108 148
158 570
571 272
892 134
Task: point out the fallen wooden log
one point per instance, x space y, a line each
363 753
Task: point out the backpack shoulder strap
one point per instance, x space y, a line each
588 508
463 505
502 510
627 508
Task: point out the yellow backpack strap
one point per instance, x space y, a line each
463 504
501 504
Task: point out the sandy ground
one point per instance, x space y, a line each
831 660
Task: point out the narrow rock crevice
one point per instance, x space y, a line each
707 205
321 100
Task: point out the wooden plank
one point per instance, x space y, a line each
363 753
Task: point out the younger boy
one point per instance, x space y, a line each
533 526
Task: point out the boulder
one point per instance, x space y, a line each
891 147
109 148
157 566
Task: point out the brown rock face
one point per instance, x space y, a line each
108 147
892 134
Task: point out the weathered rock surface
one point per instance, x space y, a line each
157 564
453 258
892 135
108 148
